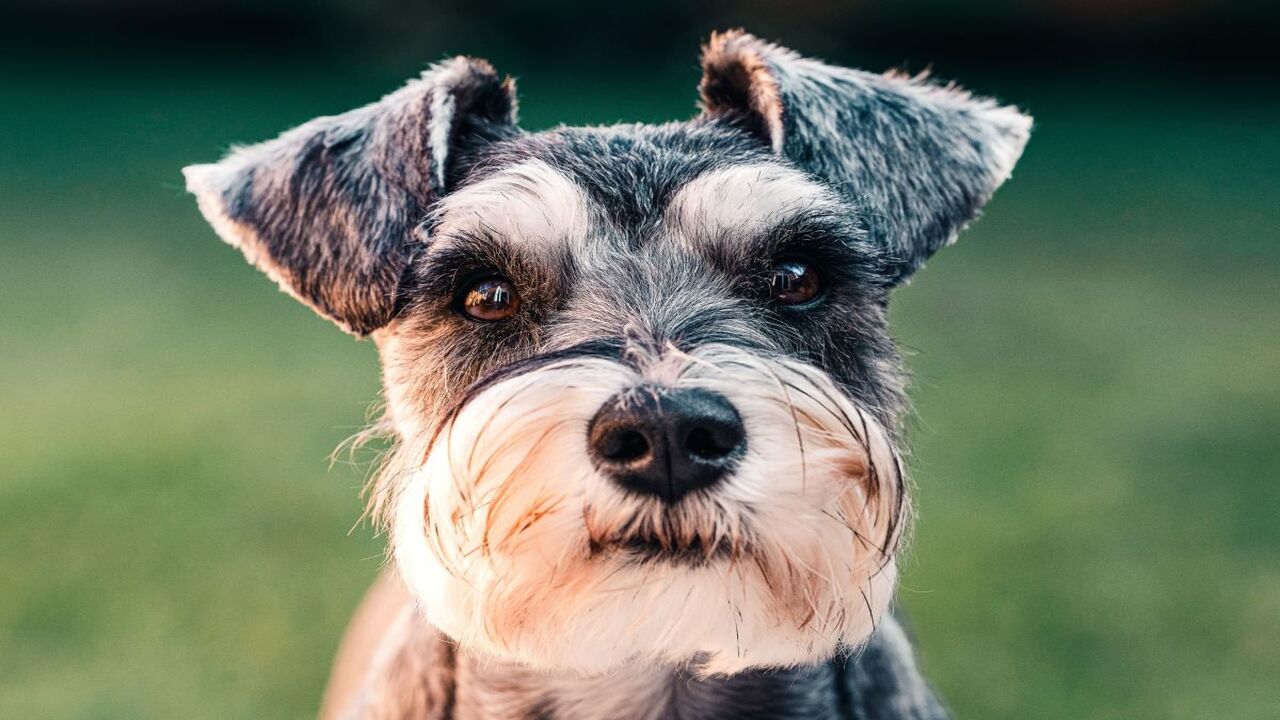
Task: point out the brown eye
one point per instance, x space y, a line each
491 300
793 282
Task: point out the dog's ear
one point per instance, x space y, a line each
918 159
328 209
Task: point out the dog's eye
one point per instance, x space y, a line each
793 282
491 300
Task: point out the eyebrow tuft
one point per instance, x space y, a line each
465 255
813 230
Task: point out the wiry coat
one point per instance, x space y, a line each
641 256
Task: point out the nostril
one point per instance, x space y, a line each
624 446
703 445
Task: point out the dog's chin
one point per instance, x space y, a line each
645 548
562 601
640 602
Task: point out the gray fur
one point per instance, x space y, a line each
664 291
880 683
918 160
345 213
327 209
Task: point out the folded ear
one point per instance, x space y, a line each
918 159
328 209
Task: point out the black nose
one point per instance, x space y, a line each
666 443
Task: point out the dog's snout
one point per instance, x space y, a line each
666 443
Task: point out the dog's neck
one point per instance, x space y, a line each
486 690
422 675
880 682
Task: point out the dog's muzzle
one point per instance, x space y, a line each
716 507
666 443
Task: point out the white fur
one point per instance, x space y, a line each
742 200
498 531
530 203
442 108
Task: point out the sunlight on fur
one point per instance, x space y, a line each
515 546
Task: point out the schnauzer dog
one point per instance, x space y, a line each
645 405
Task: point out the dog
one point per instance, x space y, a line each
646 407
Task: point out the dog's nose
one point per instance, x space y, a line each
666 443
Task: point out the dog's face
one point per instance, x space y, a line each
645 397
642 393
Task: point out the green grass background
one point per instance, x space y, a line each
1097 372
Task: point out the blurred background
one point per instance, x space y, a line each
1097 362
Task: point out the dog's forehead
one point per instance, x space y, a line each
625 186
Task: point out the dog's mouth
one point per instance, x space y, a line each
643 548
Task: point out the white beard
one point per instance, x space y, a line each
508 537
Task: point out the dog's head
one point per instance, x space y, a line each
645 398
